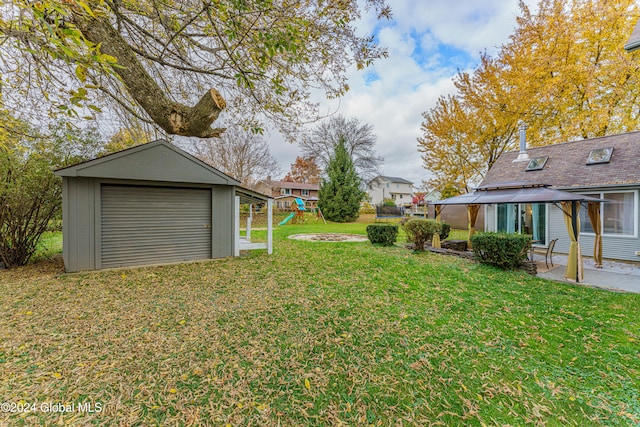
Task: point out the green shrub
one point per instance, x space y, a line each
445 229
382 234
502 250
388 202
420 231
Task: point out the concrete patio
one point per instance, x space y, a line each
614 275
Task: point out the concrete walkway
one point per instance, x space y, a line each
615 276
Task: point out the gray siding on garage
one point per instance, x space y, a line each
154 225
223 215
78 231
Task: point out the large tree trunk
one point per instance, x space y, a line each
173 117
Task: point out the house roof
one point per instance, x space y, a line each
295 185
567 168
393 179
154 161
634 41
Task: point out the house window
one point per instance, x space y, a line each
529 218
305 192
617 214
600 155
287 205
387 185
285 191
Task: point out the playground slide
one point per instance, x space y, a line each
287 219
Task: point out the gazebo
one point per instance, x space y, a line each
528 192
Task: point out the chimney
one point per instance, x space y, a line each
522 155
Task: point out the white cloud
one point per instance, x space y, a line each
427 43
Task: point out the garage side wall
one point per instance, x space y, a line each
223 213
78 223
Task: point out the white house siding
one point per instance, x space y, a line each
380 189
376 195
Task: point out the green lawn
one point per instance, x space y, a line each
317 334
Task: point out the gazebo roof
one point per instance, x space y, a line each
515 192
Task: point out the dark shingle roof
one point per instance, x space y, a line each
295 185
634 41
567 164
394 179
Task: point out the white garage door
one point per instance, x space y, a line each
154 225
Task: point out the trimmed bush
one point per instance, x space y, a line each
382 234
502 250
420 231
445 229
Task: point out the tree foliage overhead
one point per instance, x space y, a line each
180 63
564 72
358 139
340 194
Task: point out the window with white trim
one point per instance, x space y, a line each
305 192
617 214
285 191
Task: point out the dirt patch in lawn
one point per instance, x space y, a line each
330 237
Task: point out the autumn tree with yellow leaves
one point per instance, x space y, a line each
564 72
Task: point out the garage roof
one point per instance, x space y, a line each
155 161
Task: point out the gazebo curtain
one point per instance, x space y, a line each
472 215
574 260
593 209
435 241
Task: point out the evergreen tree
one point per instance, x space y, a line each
340 193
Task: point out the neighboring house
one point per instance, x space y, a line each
285 192
399 190
151 204
606 168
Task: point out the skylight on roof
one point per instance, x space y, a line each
537 163
600 155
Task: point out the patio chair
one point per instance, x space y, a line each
549 256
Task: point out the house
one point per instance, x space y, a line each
285 193
633 43
397 189
604 168
151 204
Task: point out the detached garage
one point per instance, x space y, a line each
151 204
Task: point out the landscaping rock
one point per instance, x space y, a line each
529 266
456 245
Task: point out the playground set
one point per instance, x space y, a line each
297 215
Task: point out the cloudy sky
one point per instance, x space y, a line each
428 42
